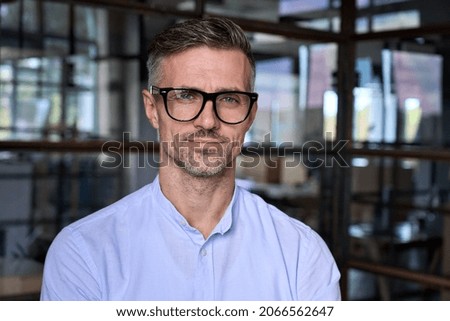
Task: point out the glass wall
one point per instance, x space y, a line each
48 93
47 71
294 86
70 81
399 203
399 95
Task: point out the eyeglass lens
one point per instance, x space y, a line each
186 104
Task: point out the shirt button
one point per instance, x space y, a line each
204 252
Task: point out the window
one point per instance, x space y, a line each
47 79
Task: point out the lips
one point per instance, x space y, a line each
201 141
203 136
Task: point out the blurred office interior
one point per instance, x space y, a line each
350 136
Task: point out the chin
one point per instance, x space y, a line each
205 172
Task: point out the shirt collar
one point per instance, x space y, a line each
226 221
169 209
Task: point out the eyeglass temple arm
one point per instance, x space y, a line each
154 90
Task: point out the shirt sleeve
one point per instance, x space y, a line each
68 271
318 273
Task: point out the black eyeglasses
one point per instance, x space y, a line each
185 104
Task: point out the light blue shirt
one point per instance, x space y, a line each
142 248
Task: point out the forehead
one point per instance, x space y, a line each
207 68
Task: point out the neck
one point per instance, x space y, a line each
201 200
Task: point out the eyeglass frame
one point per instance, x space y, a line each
154 90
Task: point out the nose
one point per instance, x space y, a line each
207 118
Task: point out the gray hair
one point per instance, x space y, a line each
219 33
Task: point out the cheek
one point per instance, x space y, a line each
238 135
236 141
167 130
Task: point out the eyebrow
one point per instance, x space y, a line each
216 91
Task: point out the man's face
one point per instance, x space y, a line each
205 146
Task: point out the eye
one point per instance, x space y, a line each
232 99
184 95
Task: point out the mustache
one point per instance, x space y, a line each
204 133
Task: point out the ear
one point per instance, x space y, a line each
150 108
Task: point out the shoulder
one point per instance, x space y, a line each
110 220
291 235
259 210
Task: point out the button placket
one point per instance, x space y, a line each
205 273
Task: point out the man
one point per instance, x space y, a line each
193 234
